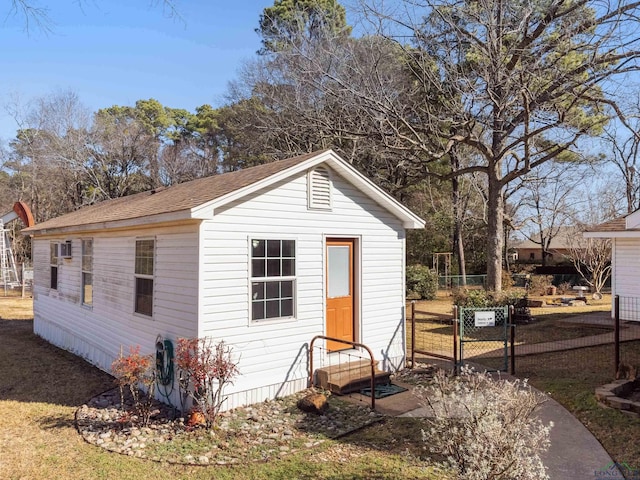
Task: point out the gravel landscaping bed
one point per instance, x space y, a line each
255 433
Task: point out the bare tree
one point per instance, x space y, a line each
591 257
549 203
37 17
45 155
518 83
622 141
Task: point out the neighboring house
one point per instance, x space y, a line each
264 259
624 233
528 251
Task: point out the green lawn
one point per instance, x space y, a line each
42 386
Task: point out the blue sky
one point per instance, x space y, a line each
114 52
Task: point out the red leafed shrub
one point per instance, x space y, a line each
133 371
205 369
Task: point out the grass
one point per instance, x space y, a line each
16 308
434 329
570 377
42 387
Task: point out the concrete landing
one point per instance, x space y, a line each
392 406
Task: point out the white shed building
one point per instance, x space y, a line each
624 233
264 259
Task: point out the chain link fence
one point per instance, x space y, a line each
484 336
543 337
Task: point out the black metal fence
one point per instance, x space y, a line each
432 335
457 338
546 338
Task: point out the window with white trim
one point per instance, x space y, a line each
145 253
87 272
54 249
273 271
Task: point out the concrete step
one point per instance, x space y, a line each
349 377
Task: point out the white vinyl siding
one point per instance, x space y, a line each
202 286
626 266
98 334
273 355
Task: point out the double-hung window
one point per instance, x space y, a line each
273 270
145 253
87 272
53 260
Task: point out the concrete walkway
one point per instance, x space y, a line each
574 452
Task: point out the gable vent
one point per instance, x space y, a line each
319 186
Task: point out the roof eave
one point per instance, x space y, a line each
617 234
408 218
182 216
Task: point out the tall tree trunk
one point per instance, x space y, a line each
458 242
495 239
505 252
154 167
458 245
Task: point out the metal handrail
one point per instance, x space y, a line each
354 344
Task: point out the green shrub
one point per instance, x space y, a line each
539 283
471 298
481 298
422 283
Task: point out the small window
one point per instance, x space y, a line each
145 253
65 249
273 270
319 189
87 272
53 260
532 256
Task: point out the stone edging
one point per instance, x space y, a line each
611 395
255 433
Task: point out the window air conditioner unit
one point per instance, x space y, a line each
65 249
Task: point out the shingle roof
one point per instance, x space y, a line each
561 240
616 225
183 196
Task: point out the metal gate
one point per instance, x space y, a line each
484 336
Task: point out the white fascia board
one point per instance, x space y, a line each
409 219
625 234
182 216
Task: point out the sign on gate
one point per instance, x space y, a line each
485 319
484 336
